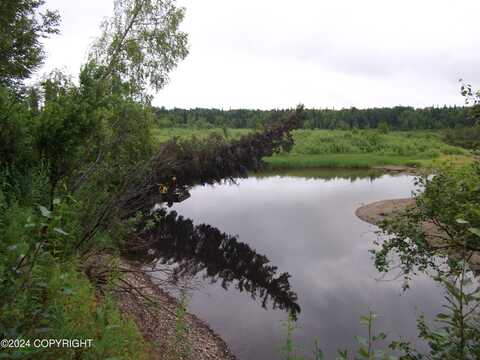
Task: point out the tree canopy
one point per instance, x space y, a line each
141 43
23 25
396 118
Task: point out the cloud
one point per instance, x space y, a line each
264 54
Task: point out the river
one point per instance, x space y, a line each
304 222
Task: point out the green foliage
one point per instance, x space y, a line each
397 118
288 349
43 295
468 138
417 144
62 128
457 335
162 135
438 226
65 149
383 127
367 346
16 155
354 161
332 148
23 26
142 43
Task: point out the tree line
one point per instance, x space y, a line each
396 118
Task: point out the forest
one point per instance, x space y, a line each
396 118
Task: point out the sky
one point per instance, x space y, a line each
324 54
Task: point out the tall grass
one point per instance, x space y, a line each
354 161
411 144
338 148
161 135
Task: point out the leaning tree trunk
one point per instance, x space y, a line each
178 166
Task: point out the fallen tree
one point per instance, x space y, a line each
179 165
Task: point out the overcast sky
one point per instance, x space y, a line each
275 53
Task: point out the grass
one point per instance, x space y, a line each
165 134
361 161
413 144
349 149
292 161
456 160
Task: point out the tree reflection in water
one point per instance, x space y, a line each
174 240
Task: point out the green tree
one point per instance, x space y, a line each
23 26
141 43
441 225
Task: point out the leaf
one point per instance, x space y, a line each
475 231
461 221
60 231
380 336
45 212
342 354
363 352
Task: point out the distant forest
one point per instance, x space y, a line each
396 118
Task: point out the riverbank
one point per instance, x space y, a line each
374 213
367 148
353 161
155 313
363 161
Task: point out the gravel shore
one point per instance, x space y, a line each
157 322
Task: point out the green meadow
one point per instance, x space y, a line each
345 148
164 134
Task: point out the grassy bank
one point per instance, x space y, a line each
350 149
360 161
292 161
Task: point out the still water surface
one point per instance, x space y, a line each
305 223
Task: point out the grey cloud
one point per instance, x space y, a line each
323 53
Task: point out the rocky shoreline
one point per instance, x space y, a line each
154 312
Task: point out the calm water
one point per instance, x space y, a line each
305 223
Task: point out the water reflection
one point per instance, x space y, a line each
193 249
304 223
324 173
